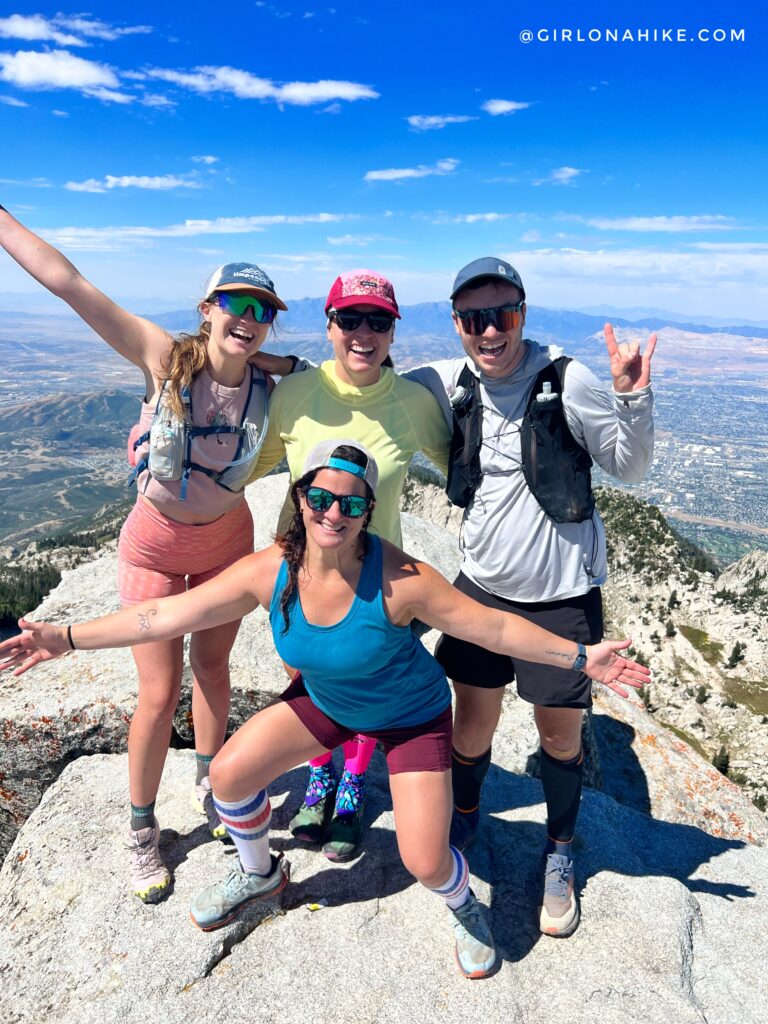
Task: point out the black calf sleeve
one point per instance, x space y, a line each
562 792
468 774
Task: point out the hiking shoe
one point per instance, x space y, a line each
475 951
150 878
222 902
202 802
559 911
464 828
310 823
345 834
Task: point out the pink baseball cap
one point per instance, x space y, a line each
362 287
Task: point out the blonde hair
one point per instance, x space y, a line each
187 356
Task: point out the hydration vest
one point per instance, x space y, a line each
557 469
172 442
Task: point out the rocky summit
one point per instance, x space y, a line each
671 868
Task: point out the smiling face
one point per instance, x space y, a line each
359 353
495 353
232 337
330 530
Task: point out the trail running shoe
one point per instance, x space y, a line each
345 834
202 802
150 878
475 951
559 912
464 828
221 902
310 823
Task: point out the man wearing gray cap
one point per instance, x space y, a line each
527 426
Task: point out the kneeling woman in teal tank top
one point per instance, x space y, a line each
340 605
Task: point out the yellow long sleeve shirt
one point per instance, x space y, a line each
394 418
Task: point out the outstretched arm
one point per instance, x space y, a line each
134 338
419 591
227 597
630 370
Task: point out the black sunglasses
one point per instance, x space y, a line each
378 322
503 318
352 506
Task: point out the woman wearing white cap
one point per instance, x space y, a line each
340 605
202 423
354 394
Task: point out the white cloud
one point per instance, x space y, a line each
447 166
561 176
28 183
431 122
117 239
245 86
157 101
35 28
496 107
159 183
99 29
702 222
207 159
357 240
470 218
11 101
58 69
60 113
737 247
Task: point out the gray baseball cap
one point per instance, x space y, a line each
323 456
243 277
487 266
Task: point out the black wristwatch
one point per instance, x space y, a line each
580 661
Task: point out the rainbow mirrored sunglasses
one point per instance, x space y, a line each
238 305
352 506
477 321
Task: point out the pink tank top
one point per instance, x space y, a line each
212 404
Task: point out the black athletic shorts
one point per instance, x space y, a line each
576 618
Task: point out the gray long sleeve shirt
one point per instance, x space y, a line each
510 547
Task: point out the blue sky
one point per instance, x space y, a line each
153 142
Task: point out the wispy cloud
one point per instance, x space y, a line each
470 218
58 69
11 101
357 240
158 183
156 100
447 166
432 122
60 29
245 86
561 176
116 239
27 182
702 222
497 107
207 159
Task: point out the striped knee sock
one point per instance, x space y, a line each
455 889
247 822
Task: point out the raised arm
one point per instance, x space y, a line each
229 596
136 339
416 590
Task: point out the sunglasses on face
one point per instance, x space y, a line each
238 305
378 322
477 321
352 506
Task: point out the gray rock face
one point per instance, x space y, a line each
82 704
661 906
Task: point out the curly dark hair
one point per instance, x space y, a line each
294 540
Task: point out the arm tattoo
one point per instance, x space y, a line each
559 654
144 619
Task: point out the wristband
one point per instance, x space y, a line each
581 658
294 362
70 641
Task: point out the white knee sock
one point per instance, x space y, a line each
247 822
455 889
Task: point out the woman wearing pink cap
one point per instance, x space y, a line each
355 394
202 424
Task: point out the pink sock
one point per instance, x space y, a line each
358 753
318 762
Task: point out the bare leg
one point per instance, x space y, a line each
209 659
422 807
159 667
476 717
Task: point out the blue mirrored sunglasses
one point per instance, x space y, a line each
352 506
238 305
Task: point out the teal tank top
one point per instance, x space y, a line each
363 672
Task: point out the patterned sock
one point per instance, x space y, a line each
322 781
142 817
562 782
247 822
467 775
455 889
358 753
203 770
351 793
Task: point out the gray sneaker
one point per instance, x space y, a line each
150 878
475 951
559 911
222 902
